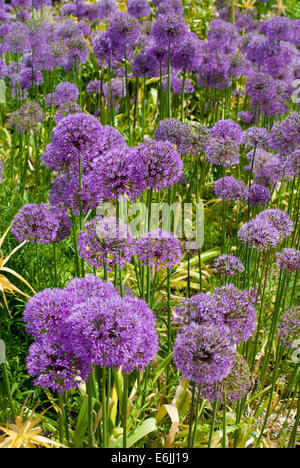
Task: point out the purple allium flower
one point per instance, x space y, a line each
139 8
278 27
113 90
123 29
288 259
237 309
289 327
231 189
43 224
233 387
78 51
227 129
268 167
204 353
104 241
158 163
188 54
261 89
256 137
175 131
17 39
102 47
77 135
222 36
80 289
200 309
27 118
292 164
259 195
159 248
229 265
285 135
115 174
113 332
259 233
65 92
169 29
279 219
164 7
145 64
246 117
93 86
65 109
47 311
55 367
29 77
238 65
222 151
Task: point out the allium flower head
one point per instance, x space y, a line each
175 131
159 163
123 29
204 353
267 167
159 248
227 129
260 234
112 332
102 47
66 109
222 151
139 8
200 309
289 327
188 54
229 265
42 224
27 118
82 288
145 64
256 137
105 242
278 27
279 219
169 29
233 387
237 308
285 135
259 195
64 93
292 164
47 311
230 188
56 368
288 259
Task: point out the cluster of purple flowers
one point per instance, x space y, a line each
159 248
41 224
267 229
289 327
204 350
27 118
87 323
288 259
229 265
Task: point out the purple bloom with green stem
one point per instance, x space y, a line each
289 327
105 242
53 366
27 118
123 29
159 248
230 188
169 29
139 8
233 387
227 129
259 195
41 224
222 151
177 132
204 353
65 92
260 234
279 219
229 265
288 259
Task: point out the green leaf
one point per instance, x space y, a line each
148 426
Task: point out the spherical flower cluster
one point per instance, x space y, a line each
123 29
229 265
139 8
159 248
257 137
227 129
233 387
204 353
292 164
222 151
178 133
267 167
169 29
285 135
65 92
145 64
159 163
65 109
266 230
105 242
27 118
288 259
230 188
55 367
42 224
289 327
259 195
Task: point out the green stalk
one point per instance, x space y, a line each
212 424
8 389
104 408
124 410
